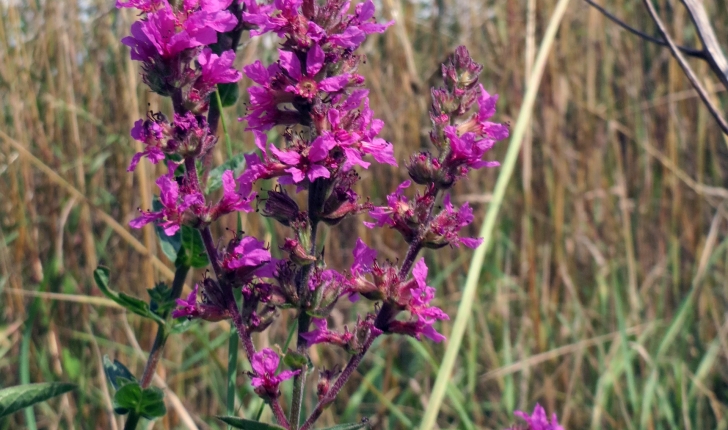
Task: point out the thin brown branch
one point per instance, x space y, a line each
691 52
713 52
686 67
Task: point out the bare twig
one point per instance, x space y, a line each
686 67
712 51
691 52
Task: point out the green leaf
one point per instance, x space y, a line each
242 423
127 398
117 370
20 397
192 253
133 304
214 178
161 299
148 402
152 403
170 244
229 93
351 426
139 307
101 276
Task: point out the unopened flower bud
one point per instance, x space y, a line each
424 169
326 377
281 207
299 255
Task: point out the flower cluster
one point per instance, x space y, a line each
177 44
538 420
314 93
173 43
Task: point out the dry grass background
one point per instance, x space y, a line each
615 216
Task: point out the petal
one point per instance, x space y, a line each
314 60
257 73
317 171
290 63
334 83
134 161
419 272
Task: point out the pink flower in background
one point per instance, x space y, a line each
538 420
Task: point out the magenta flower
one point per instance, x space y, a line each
176 202
355 133
324 24
196 306
538 420
364 257
216 69
244 257
151 133
422 315
305 85
322 334
236 196
304 164
265 382
161 38
261 168
444 227
292 165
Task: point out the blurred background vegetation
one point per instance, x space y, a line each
614 219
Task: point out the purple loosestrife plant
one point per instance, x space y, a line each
315 94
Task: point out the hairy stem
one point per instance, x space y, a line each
275 405
339 384
161 338
243 332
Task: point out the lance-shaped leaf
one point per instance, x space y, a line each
137 306
242 423
13 399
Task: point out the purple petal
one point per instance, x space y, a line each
290 63
314 60
318 171
334 83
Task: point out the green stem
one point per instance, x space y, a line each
161 338
132 421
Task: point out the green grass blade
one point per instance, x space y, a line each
486 232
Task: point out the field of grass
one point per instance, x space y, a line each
603 295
